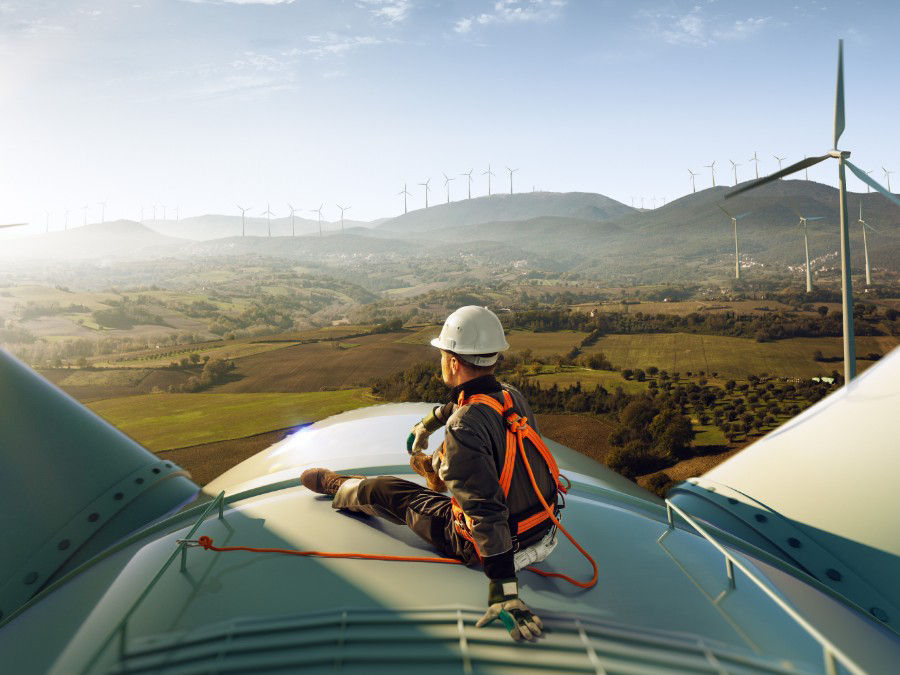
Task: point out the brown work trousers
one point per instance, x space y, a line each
425 512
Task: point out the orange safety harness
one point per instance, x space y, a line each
517 431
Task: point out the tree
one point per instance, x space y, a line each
627 373
822 310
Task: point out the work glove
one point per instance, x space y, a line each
421 464
504 604
417 441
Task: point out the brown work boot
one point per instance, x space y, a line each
323 481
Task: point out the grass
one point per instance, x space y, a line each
166 421
589 379
732 357
228 350
545 344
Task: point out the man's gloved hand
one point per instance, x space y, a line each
421 464
417 441
504 604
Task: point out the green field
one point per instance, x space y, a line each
545 344
589 379
732 357
165 421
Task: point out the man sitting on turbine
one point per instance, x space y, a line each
495 515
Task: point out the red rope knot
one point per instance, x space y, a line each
205 542
559 485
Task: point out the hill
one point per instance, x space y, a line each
217 226
507 208
118 239
694 228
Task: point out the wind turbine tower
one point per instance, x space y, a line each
842 157
164 212
293 234
319 211
405 194
511 172
864 226
469 175
177 213
489 173
268 214
755 160
712 171
243 219
737 255
85 209
734 167
803 226
780 160
48 221
447 181
102 211
66 222
887 175
427 188
342 208
693 184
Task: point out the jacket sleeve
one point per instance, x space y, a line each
468 469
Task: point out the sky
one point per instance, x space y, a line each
205 104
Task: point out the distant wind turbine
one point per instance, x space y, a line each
734 167
469 174
712 171
66 223
489 173
177 212
887 175
511 172
737 255
243 218
154 213
268 214
868 189
292 220
319 211
142 214
865 226
164 212
842 157
342 208
47 224
405 194
447 181
780 160
102 211
85 209
427 188
755 160
803 226
693 184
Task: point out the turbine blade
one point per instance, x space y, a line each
793 168
839 96
724 210
863 176
12 225
817 218
745 213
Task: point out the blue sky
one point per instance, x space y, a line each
202 104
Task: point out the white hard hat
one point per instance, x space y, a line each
473 330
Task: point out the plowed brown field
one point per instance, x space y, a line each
326 365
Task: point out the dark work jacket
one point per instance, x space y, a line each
475 448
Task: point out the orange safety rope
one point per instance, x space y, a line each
206 543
